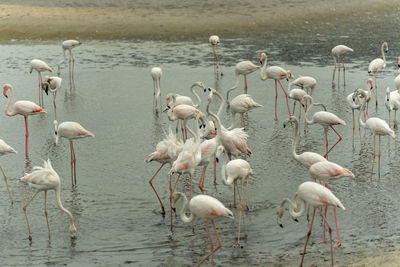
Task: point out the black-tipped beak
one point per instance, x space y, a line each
205 90
284 125
46 91
209 89
217 160
261 62
55 132
281 225
6 96
295 220
174 210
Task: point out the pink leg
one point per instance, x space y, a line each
201 183
294 106
26 215
325 212
234 194
70 71
338 77
373 161
155 191
172 190
215 169
308 237
211 245
287 101
276 98
330 235
245 84
240 211
344 74
339 243
247 191
379 157
354 127
26 136
340 139
326 143
73 163
45 213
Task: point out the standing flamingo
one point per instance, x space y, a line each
40 66
22 107
297 95
241 104
392 103
276 73
244 68
236 169
207 208
326 119
69 45
305 82
156 74
52 84
43 179
378 127
326 171
306 158
378 64
214 41
186 100
71 131
337 53
316 195
167 151
5 149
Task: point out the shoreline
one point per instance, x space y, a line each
64 22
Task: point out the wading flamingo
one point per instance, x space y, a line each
297 95
52 84
378 64
43 179
378 127
5 149
241 104
22 107
316 195
237 169
156 74
39 66
326 120
71 131
207 208
244 68
276 73
214 41
392 102
69 45
186 100
337 53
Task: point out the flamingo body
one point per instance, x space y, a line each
326 171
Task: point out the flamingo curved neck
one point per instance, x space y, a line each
308 110
263 75
231 89
216 120
223 168
295 139
184 217
60 205
362 123
383 54
8 113
293 207
196 95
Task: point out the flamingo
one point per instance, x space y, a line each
235 140
52 84
181 99
236 169
244 68
156 74
392 103
69 45
43 179
22 107
378 64
337 53
207 208
326 119
397 79
326 171
377 126
167 151
214 41
316 195
5 149
241 104
40 66
304 82
71 131
297 95
276 73
306 158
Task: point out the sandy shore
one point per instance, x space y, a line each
40 19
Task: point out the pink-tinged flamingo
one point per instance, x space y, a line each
156 74
276 73
297 95
167 151
378 127
207 208
214 41
235 140
316 195
241 104
326 120
326 171
337 53
40 66
305 82
392 102
378 64
71 131
186 100
244 68
237 169
22 107
43 179
69 45
306 158
5 149
52 84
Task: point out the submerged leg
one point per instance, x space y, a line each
26 136
45 213
155 191
340 139
8 189
308 237
211 245
26 216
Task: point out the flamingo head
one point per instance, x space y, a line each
220 150
370 83
263 56
45 87
289 75
5 89
291 119
214 40
385 45
398 62
73 230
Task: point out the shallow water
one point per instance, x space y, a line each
117 214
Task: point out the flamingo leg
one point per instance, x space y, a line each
338 78
340 139
373 161
170 197
354 127
45 212
201 183
26 215
334 72
73 163
379 157
326 143
287 101
159 89
8 189
70 71
276 98
215 169
294 106
154 96
211 245
330 236
339 242
344 74
234 194
26 136
240 212
40 89
308 237
325 212
359 131
245 84
376 90
155 191
247 191
242 120
54 104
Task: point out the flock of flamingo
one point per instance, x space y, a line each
46 178
211 139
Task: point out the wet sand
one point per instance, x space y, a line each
39 19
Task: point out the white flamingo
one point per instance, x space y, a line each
156 74
376 65
337 53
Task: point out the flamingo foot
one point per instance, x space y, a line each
30 238
338 244
237 245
